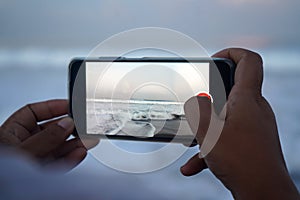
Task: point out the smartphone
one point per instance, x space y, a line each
142 99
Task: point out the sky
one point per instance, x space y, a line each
83 24
146 81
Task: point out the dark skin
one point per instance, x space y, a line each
247 157
45 142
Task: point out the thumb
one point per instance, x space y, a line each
49 139
198 114
204 122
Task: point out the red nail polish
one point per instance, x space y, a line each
203 94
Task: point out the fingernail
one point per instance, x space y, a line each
203 94
66 123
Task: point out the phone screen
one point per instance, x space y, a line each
142 99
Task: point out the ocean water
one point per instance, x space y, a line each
25 81
139 118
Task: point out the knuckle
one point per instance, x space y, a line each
27 106
258 57
255 57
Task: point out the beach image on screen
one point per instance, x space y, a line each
141 99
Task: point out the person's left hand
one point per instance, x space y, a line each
46 141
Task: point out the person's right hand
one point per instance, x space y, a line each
247 157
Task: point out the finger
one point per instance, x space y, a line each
90 143
67 147
67 156
249 72
49 109
22 133
29 115
49 123
204 123
72 144
69 161
198 112
193 166
47 140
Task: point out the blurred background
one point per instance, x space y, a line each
38 39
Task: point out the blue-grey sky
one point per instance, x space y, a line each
214 23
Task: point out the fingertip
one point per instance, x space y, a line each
204 95
193 166
194 101
189 170
90 143
184 171
66 123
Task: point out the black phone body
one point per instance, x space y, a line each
99 113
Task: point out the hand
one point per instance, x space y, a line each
47 141
247 157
